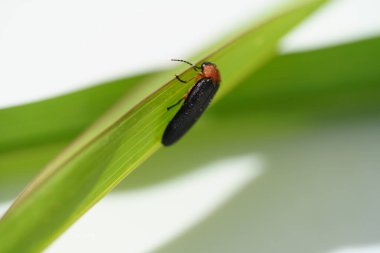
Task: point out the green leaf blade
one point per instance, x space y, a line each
91 167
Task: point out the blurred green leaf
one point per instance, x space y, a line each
119 142
60 118
32 134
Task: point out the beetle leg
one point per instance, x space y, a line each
182 98
183 81
170 107
179 79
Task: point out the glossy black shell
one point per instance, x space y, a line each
195 104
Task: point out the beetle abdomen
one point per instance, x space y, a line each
196 102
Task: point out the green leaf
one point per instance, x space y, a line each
314 119
340 76
290 95
122 140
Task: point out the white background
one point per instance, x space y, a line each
50 47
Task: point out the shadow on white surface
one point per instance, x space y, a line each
319 193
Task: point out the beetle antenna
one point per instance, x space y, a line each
192 65
183 61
